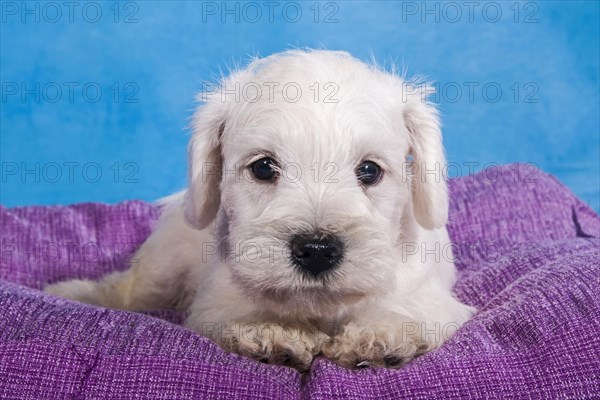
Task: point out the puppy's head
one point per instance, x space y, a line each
301 157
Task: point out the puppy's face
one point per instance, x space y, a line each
303 158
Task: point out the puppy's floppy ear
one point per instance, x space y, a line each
429 189
203 196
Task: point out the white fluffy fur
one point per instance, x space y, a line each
383 305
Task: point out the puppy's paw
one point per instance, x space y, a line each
292 345
383 345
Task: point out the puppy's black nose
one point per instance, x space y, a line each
316 254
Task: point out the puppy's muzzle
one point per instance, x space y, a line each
316 255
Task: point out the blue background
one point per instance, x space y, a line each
149 58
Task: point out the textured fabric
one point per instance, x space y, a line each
528 256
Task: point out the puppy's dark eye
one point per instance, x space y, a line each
368 173
264 169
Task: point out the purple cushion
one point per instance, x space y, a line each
526 248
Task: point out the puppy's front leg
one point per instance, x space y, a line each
235 322
289 344
390 342
393 332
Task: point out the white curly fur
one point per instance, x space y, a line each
221 248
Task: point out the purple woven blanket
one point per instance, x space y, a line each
529 260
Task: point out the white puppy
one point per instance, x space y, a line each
302 231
